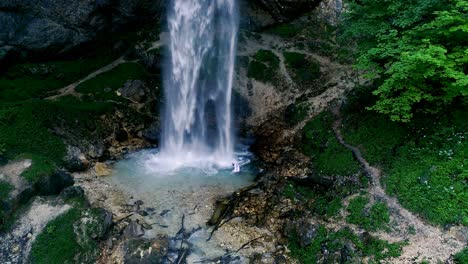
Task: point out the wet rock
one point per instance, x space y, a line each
138 202
75 160
134 90
72 192
102 169
54 184
93 224
306 232
142 213
152 133
164 212
347 253
133 230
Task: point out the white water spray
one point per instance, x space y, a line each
197 125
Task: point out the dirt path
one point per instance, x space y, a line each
426 242
70 89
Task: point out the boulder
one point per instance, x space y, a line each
133 230
54 183
75 160
134 90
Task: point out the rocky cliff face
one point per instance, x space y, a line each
47 27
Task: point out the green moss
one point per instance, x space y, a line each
5 189
40 167
461 257
321 203
374 218
328 155
57 242
66 239
105 85
424 162
38 80
267 57
263 66
304 70
295 113
27 127
285 30
367 246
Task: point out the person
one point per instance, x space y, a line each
236 167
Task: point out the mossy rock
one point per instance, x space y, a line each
104 86
303 69
264 66
72 237
329 157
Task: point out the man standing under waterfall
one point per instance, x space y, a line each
236 167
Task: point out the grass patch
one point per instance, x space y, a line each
321 203
285 30
424 161
328 155
295 113
57 242
374 218
263 66
41 167
37 80
366 246
461 257
104 86
5 189
68 239
27 127
304 70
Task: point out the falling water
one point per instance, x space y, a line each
197 125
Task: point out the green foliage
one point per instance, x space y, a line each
26 127
69 239
376 136
461 257
57 243
374 218
424 162
304 70
329 157
263 66
104 86
5 189
40 167
415 51
37 80
295 113
366 246
2 149
319 202
285 30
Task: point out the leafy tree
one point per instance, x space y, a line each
415 51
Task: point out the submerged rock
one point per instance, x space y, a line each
102 169
133 230
146 250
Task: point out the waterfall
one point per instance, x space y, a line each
197 121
